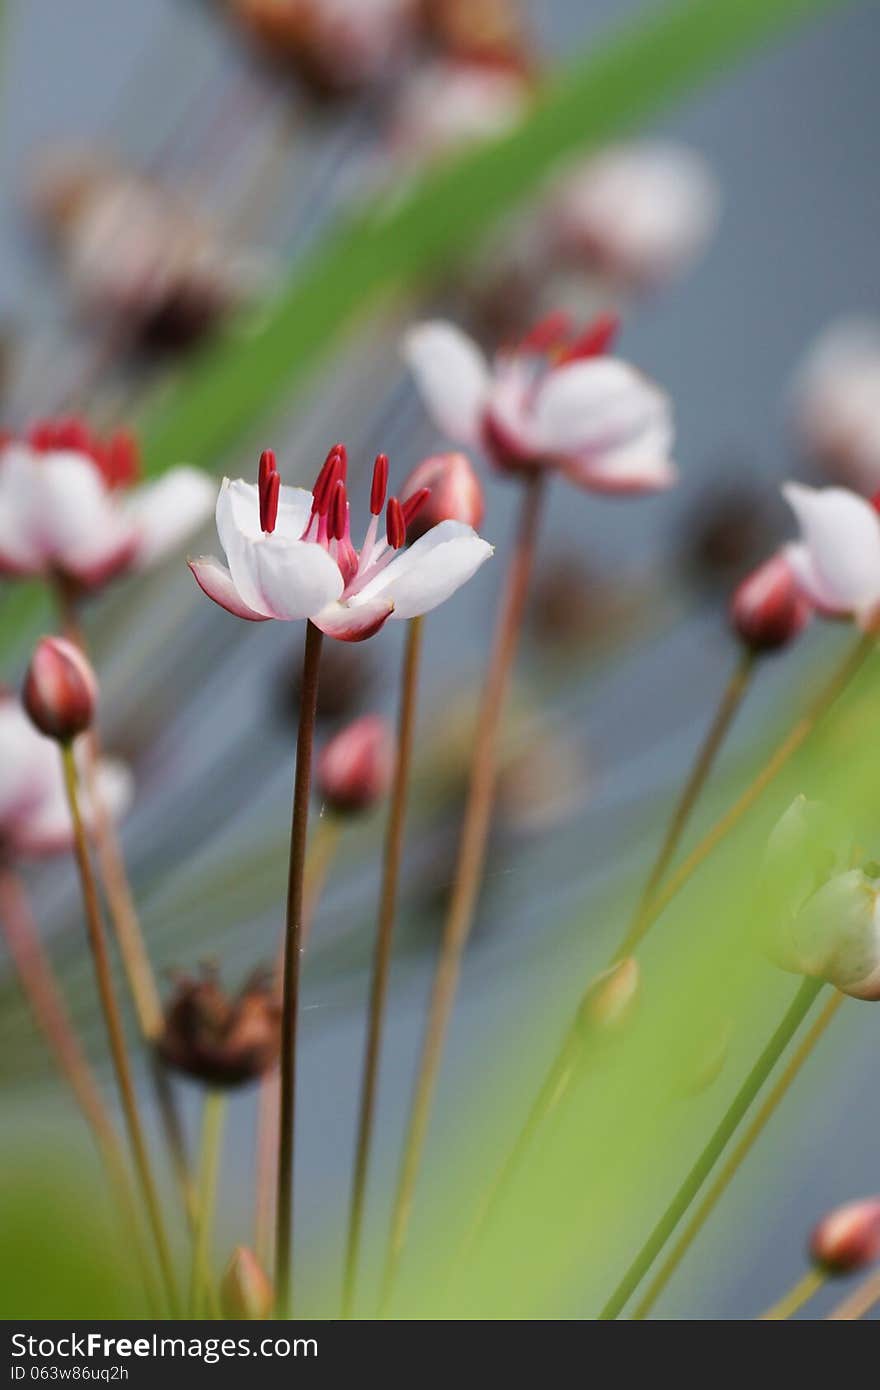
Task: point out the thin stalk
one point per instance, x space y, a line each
292 959
796 1297
322 848
202 1300
856 1304
115 1032
382 955
469 869
734 693
124 918
45 1000
565 1064
736 1111
739 1154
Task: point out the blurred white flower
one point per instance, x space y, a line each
836 402
552 402
837 560
290 554
836 935
34 815
67 510
639 214
446 106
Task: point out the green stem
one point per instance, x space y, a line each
201 1298
796 1297
698 1174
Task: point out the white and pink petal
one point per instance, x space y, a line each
421 578
214 579
452 376
168 511
841 532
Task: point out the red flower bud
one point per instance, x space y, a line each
60 689
245 1290
847 1238
456 493
611 996
354 769
768 610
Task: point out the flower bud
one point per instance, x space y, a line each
221 1039
60 689
768 609
611 996
245 1290
836 936
354 769
848 1238
456 493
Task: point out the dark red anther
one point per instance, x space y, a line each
73 433
268 466
269 495
549 332
395 526
413 505
330 474
41 435
875 501
595 340
379 488
342 454
337 514
120 460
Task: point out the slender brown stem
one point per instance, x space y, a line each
292 960
469 869
565 1064
738 1155
734 693
322 848
863 1298
43 994
115 1032
382 955
796 1297
727 1127
139 974
201 1294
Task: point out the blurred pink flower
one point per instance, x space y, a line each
848 1237
836 402
290 554
354 769
66 510
638 213
768 609
550 402
448 105
34 816
837 560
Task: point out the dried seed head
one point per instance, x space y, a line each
218 1038
60 689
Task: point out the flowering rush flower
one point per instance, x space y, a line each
836 402
335 46
637 213
290 554
68 509
556 401
837 560
34 815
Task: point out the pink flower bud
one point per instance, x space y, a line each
456 493
245 1291
354 769
611 996
60 689
768 609
848 1238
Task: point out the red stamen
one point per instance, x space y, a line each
395 526
41 435
595 340
379 488
413 505
268 466
875 501
73 433
548 332
120 460
342 454
269 495
327 477
337 515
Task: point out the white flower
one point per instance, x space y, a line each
447 105
34 814
551 403
837 560
64 513
836 402
290 554
836 935
639 213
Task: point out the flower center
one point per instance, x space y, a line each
116 457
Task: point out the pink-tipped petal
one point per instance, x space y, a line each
215 580
356 620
